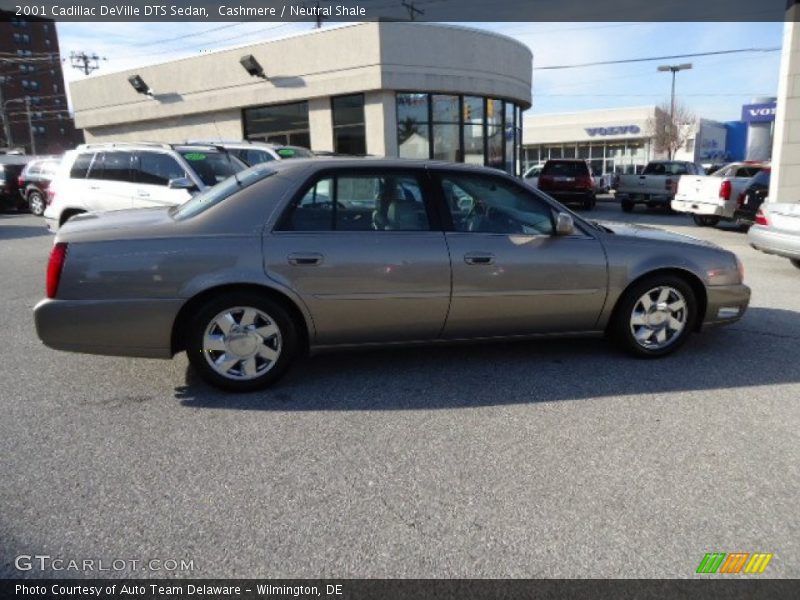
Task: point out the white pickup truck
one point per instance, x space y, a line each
656 185
711 198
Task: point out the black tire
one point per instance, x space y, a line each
589 203
620 327
627 206
795 262
286 342
705 220
36 203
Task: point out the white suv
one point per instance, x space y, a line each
116 176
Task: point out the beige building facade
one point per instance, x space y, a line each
380 88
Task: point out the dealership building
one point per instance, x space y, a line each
382 88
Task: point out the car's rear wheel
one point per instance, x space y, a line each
36 204
655 316
705 220
241 341
627 206
795 262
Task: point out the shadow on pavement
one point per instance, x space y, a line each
759 350
9 231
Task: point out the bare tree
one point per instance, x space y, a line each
671 133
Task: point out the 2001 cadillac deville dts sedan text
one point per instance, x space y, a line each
311 254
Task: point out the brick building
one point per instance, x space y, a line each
30 67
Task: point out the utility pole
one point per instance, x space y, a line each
413 11
673 69
319 17
84 62
30 124
6 124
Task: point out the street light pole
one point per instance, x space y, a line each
3 117
30 124
673 69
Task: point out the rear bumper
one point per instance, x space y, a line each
139 328
770 241
570 197
644 197
726 304
699 208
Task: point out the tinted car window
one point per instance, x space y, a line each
80 168
747 171
668 168
155 168
483 204
251 156
212 167
558 168
113 166
379 202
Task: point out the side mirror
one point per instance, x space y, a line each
564 224
181 183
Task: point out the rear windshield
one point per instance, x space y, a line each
214 195
666 168
559 168
212 167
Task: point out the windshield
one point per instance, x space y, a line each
212 167
666 168
214 195
286 152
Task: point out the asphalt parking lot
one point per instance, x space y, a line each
532 459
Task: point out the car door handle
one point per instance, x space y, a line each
305 260
94 187
479 258
142 194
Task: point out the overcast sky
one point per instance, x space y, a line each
715 88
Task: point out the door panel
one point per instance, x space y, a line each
512 275
531 284
357 246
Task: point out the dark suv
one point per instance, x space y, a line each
34 181
11 166
569 181
753 196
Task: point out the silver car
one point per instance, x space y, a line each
305 255
777 230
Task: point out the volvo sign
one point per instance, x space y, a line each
617 130
758 113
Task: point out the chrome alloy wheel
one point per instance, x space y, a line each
242 343
659 317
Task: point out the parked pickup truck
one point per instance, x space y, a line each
711 198
656 185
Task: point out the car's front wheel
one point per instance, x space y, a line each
627 206
655 316
36 204
241 341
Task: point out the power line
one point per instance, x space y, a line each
188 35
651 58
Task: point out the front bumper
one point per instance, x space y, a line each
138 328
725 304
770 241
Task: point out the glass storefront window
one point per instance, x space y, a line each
460 129
446 142
445 108
349 130
473 144
281 123
569 151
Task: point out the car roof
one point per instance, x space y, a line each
367 162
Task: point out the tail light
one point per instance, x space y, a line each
740 200
20 181
761 218
51 195
725 190
740 268
57 257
